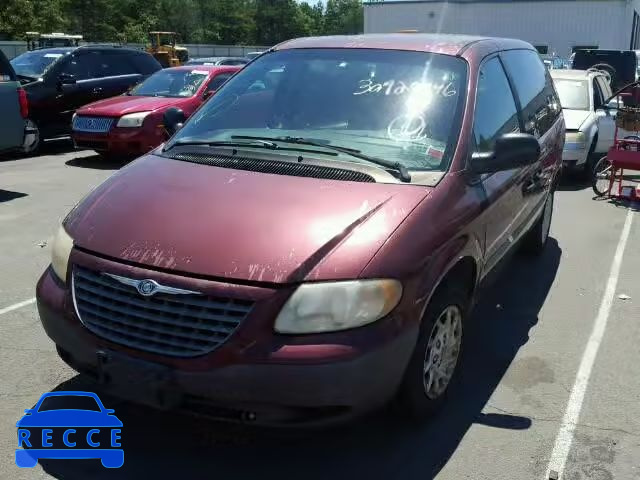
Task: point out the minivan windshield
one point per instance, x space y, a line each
35 63
574 94
399 106
171 83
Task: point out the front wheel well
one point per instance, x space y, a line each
462 274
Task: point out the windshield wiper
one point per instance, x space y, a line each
401 170
226 143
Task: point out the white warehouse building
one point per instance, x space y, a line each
553 26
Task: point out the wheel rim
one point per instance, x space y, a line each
546 218
31 140
443 349
602 176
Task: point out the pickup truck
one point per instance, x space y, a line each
14 108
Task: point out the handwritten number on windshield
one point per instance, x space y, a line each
398 87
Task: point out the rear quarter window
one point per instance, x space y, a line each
534 89
145 63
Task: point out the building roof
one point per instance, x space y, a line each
421 42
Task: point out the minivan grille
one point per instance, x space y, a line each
275 166
92 124
178 325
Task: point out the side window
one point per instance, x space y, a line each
598 100
88 65
78 65
119 63
605 88
218 81
534 89
495 112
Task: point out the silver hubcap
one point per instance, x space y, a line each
31 140
443 348
546 219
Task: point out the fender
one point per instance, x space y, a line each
443 261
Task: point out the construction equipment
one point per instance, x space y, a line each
162 45
49 40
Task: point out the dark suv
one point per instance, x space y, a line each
308 248
59 80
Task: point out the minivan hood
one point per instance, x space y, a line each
574 119
232 224
124 104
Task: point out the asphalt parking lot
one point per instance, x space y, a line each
550 373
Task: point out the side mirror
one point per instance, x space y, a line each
207 94
613 104
28 411
173 120
512 150
66 79
109 411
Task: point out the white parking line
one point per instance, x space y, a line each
16 306
572 414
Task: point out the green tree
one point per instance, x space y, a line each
312 18
343 17
16 18
278 20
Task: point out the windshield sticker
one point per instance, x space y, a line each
52 55
407 128
398 87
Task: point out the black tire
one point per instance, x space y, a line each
413 401
601 176
589 164
32 142
535 240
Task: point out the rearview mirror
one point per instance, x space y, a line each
173 120
512 150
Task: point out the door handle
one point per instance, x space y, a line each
97 90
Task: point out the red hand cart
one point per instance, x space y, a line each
624 154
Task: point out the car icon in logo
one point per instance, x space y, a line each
69 425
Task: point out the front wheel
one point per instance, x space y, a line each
602 176
436 357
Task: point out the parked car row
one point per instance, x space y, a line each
62 85
308 246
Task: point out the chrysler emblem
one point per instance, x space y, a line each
147 287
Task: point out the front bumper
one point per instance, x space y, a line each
254 377
124 141
574 157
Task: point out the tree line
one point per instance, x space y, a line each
227 22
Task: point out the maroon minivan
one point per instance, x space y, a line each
307 247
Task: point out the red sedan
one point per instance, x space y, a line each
131 124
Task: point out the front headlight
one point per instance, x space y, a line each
132 120
60 252
333 306
575 141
